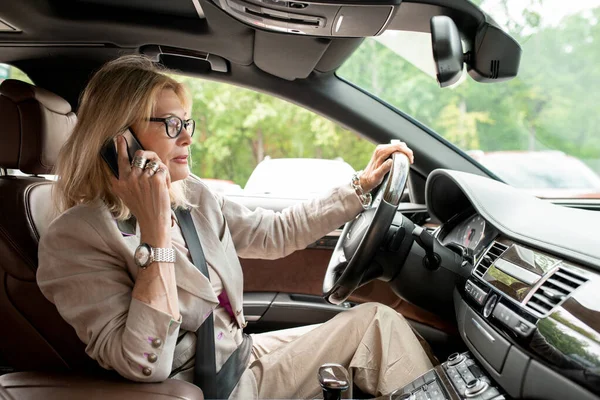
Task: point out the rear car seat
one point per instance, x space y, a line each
34 337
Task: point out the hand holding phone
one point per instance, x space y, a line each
110 155
145 193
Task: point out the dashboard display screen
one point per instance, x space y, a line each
473 233
507 284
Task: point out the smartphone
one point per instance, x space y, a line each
109 151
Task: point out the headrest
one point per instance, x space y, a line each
35 125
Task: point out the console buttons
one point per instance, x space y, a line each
475 387
454 375
524 328
418 382
455 359
475 292
408 388
420 395
512 320
468 377
461 388
503 314
435 392
430 376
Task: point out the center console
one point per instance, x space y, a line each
460 377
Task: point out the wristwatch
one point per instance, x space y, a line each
145 255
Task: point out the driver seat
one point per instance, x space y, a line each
35 337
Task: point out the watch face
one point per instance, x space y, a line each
142 255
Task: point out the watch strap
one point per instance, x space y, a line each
160 254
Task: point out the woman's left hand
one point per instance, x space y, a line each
381 163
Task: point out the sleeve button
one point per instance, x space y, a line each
147 371
156 343
152 357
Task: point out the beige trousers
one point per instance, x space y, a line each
373 341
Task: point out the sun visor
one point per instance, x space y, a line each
289 57
324 18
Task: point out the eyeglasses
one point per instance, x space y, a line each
174 125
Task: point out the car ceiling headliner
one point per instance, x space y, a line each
103 29
98 30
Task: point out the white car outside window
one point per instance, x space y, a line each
297 177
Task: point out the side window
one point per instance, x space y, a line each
9 72
250 143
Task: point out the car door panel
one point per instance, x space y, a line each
302 272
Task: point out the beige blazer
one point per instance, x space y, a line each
87 269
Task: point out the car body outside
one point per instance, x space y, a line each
222 186
545 174
299 178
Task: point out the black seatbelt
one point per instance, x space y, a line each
213 385
205 369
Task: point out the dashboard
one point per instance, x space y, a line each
469 230
530 309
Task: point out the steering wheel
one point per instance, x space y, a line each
361 237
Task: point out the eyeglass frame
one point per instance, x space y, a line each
184 124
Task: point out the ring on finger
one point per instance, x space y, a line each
139 161
152 165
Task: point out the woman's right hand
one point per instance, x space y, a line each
146 194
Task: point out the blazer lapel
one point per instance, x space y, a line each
222 257
211 244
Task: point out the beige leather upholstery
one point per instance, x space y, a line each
35 385
39 123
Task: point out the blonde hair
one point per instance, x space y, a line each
123 92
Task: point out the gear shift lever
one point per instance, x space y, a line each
334 380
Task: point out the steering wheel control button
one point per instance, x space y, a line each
156 343
489 305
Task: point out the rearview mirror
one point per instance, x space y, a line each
447 50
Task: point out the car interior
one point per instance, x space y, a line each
496 283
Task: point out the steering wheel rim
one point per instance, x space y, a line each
361 237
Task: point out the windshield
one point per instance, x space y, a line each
539 131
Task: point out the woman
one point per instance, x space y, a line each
139 317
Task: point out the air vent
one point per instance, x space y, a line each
488 258
554 290
495 69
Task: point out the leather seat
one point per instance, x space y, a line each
35 124
34 337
